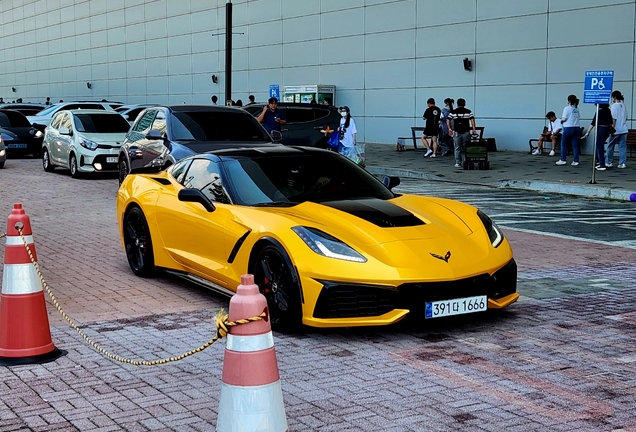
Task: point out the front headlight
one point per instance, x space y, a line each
88 144
38 134
2 152
494 233
326 245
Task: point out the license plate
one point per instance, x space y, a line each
16 146
111 160
444 308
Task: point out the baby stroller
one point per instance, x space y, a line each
476 152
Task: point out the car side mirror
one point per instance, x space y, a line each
391 182
154 134
195 195
277 136
65 131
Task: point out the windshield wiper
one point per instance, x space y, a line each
276 204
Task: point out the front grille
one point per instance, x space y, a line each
351 300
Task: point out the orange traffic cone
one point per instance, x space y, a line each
25 336
251 396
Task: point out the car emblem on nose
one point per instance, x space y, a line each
443 258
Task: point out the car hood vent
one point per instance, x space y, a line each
377 211
163 181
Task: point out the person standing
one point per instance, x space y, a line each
619 115
48 101
463 120
252 99
347 134
431 129
214 99
445 140
602 133
571 130
272 117
1 100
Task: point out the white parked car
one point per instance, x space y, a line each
44 117
3 152
84 141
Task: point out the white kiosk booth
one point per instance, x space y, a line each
321 94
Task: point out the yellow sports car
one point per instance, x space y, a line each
328 244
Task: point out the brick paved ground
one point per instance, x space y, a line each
563 358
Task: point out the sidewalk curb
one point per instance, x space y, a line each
538 186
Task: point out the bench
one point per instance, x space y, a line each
548 143
402 140
631 142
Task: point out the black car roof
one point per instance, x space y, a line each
11 111
190 108
265 151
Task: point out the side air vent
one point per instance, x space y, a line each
163 181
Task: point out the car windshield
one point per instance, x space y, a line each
101 123
13 119
292 178
49 110
217 126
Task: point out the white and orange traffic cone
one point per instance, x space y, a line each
25 336
251 396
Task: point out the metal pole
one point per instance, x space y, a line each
593 181
228 51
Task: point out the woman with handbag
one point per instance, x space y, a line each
602 133
347 135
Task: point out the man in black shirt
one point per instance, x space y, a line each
463 120
431 129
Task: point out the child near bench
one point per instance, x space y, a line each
550 133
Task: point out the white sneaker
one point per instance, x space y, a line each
536 152
428 153
433 155
560 162
621 166
458 165
574 163
552 153
609 165
600 168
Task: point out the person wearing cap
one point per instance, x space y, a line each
272 117
347 131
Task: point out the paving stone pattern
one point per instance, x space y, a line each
547 363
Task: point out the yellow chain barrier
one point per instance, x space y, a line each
222 324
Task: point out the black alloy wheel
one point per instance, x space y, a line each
278 283
72 163
46 161
123 169
138 243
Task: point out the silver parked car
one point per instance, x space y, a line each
3 152
84 141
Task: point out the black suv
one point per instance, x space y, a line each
162 135
304 122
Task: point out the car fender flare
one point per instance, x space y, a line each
267 241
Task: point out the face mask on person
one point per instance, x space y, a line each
343 113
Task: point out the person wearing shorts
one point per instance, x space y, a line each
431 128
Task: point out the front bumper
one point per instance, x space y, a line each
99 162
352 304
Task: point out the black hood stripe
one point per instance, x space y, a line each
379 212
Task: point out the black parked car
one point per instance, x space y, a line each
304 122
27 108
19 136
162 135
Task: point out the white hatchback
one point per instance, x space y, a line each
84 141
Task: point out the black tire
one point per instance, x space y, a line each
123 169
2 164
277 281
46 161
72 164
138 243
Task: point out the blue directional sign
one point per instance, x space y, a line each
274 91
598 86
